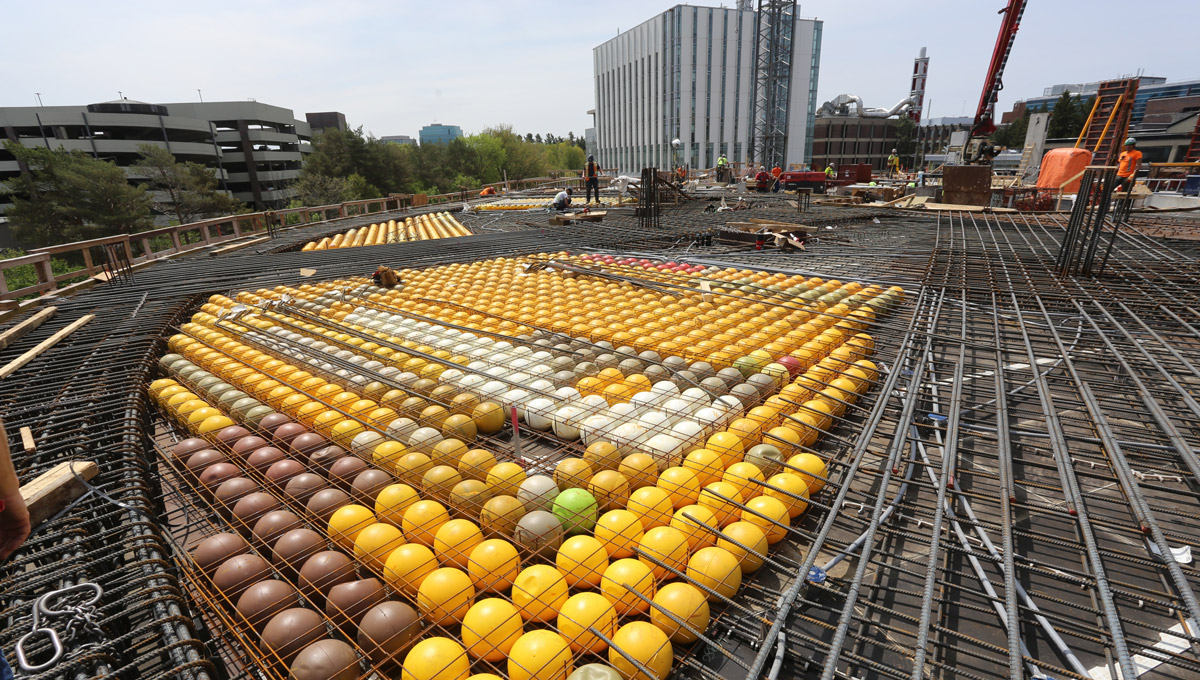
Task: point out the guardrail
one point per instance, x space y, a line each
104 254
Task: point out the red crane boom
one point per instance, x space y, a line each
985 124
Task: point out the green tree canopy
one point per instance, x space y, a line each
71 196
185 191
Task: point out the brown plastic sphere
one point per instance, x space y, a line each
231 491
325 457
345 469
287 432
272 422
218 548
367 485
250 509
308 443
216 474
261 458
247 445
323 571
283 471
275 524
387 630
348 602
198 461
325 660
226 436
238 573
294 548
325 502
189 446
291 630
302 487
265 599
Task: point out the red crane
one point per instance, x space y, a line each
985 124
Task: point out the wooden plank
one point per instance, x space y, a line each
238 246
57 488
965 208
16 364
18 331
27 441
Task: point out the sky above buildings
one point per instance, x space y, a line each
393 67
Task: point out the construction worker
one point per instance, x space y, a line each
385 277
762 181
893 164
1128 164
591 175
830 171
776 173
488 191
681 175
563 200
722 167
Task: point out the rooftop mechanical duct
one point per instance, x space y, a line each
840 106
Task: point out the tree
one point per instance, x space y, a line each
185 191
1012 136
70 196
538 138
1068 116
314 189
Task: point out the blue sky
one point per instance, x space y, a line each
395 66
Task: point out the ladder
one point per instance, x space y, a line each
1026 158
1193 152
1109 123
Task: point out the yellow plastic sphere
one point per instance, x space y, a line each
438 480
491 628
640 469
493 565
723 499
681 485
540 655
454 541
582 561
475 463
539 592
791 490
740 476
459 426
347 521
412 466
422 520
708 466
663 549
344 432
728 445
375 542
716 569
392 501
573 472
768 514
811 469
505 478
610 488
488 417
445 596
619 531
448 452
687 603
386 454
652 505
436 658
646 643
746 534
624 576
581 612
602 456
408 566
500 515
213 423
697 536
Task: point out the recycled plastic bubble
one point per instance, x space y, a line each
577 510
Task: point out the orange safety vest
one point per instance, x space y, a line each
590 172
776 172
488 191
1128 163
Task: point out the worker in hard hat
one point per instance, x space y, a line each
893 164
681 175
1128 164
776 173
830 171
488 191
591 176
563 200
722 167
762 180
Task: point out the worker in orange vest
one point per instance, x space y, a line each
1127 165
488 191
776 173
591 175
